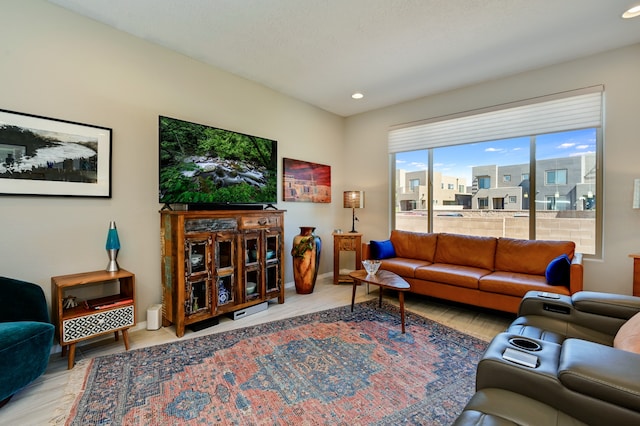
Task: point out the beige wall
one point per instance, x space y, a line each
57 64
366 137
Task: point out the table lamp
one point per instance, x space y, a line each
353 200
113 246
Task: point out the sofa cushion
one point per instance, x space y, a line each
402 266
414 245
516 284
529 256
467 250
382 249
458 275
628 336
558 271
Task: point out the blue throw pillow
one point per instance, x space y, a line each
558 271
382 249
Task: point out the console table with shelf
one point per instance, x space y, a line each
217 262
351 241
94 317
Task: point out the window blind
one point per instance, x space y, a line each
573 110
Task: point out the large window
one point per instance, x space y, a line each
474 180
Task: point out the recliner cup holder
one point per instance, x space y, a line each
525 344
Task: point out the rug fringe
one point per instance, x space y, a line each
76 384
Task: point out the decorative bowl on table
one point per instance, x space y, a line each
371 266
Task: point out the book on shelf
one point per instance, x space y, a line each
109 302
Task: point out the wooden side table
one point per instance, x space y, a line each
351 241
636 274
109 314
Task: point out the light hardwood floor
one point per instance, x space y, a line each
41 401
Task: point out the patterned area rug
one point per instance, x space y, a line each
328 368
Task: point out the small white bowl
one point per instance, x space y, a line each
371 266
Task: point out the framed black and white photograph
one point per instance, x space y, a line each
46 156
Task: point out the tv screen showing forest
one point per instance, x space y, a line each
200 164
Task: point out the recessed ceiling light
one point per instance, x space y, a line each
357 95
632 13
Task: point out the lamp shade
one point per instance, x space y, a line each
353 199
113 242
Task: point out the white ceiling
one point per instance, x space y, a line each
321 51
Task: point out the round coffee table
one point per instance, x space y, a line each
383 279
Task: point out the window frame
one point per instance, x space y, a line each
417 133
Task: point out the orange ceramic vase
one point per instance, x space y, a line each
306 259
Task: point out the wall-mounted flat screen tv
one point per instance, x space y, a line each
202 165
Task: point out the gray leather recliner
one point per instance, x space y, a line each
570 370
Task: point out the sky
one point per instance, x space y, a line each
458 160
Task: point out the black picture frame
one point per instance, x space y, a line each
52 157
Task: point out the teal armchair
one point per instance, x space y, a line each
26 335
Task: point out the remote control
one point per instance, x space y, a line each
548 295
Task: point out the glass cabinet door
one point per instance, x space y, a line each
197 297
273 261
197 273
252 287
197 256
272 243
272 278
225 289
253 255
251 246
225 269
225 251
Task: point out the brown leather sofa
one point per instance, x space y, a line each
484 271
577 358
